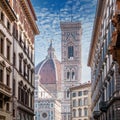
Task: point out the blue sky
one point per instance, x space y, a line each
50 13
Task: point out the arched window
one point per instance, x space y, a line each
70 51
80 112
73 75
74 113
68 75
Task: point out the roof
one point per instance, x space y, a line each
49 69
81 86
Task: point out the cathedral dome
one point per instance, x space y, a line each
49 69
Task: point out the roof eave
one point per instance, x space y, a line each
30 16
9 11
94 32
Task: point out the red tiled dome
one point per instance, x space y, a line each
49 69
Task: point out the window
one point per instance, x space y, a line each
1 104
20 39
2 16
85 101
22 95
80 93
85 92
1 45
25 45
8 25
14 59
80 102
80 112
13 112
31 55
73 74
28 49
1 74
19 93
74 103
24 69
8 79
70 51
68 93
51 104
7 106
85 111
31 101
20 64
27 72
32 76
26 98
14 86
68 75
74 94
15 31
8 50
74 113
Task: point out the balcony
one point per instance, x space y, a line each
4 88
96 114
103 106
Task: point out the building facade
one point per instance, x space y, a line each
24 31
18 29
71 62
7 18
104 61
81 102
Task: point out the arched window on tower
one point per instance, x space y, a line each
68 75
73 75
70 51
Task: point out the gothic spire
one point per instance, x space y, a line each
51 51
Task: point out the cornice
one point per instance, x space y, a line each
8 10
29 13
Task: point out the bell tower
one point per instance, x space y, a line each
71 62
